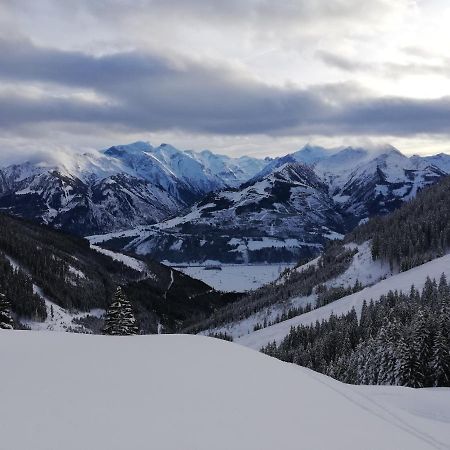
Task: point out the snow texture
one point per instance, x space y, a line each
71 392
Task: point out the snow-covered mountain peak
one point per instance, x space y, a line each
311 154
133 148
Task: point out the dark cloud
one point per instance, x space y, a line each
341 62
142 91
395 70
23 61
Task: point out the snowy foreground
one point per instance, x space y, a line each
71 392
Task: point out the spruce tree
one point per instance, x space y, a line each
408 368
120 320
440 362
6 322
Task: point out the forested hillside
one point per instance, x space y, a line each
415 233
39 265
403 339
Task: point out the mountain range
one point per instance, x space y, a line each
120 187
184 206
289 209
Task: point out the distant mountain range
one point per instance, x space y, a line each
121 187
184 206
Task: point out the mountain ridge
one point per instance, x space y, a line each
138 185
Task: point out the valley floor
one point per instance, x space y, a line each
171 392
235 277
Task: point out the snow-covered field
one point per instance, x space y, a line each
401 282
236 277
72 392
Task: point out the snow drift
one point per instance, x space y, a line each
67 392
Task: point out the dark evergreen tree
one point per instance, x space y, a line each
440 363
6 321
120 320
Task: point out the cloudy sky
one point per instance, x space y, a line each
259 77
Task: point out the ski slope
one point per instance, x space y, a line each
401 282
172 392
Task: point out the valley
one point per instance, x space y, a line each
234 277
224 225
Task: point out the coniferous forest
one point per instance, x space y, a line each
402 339
414 234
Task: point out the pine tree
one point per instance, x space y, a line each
440 362
120 320
6 322
443 289
387 340
422 341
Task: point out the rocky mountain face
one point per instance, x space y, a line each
121 187
282 216
365 184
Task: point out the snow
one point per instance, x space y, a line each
332 235
362 268
71 392
100 238
401 282
246 243
76 272
62 319
234 171
236 278
133 263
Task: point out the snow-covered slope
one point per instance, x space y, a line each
232 171
401 282
441 160
65 391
